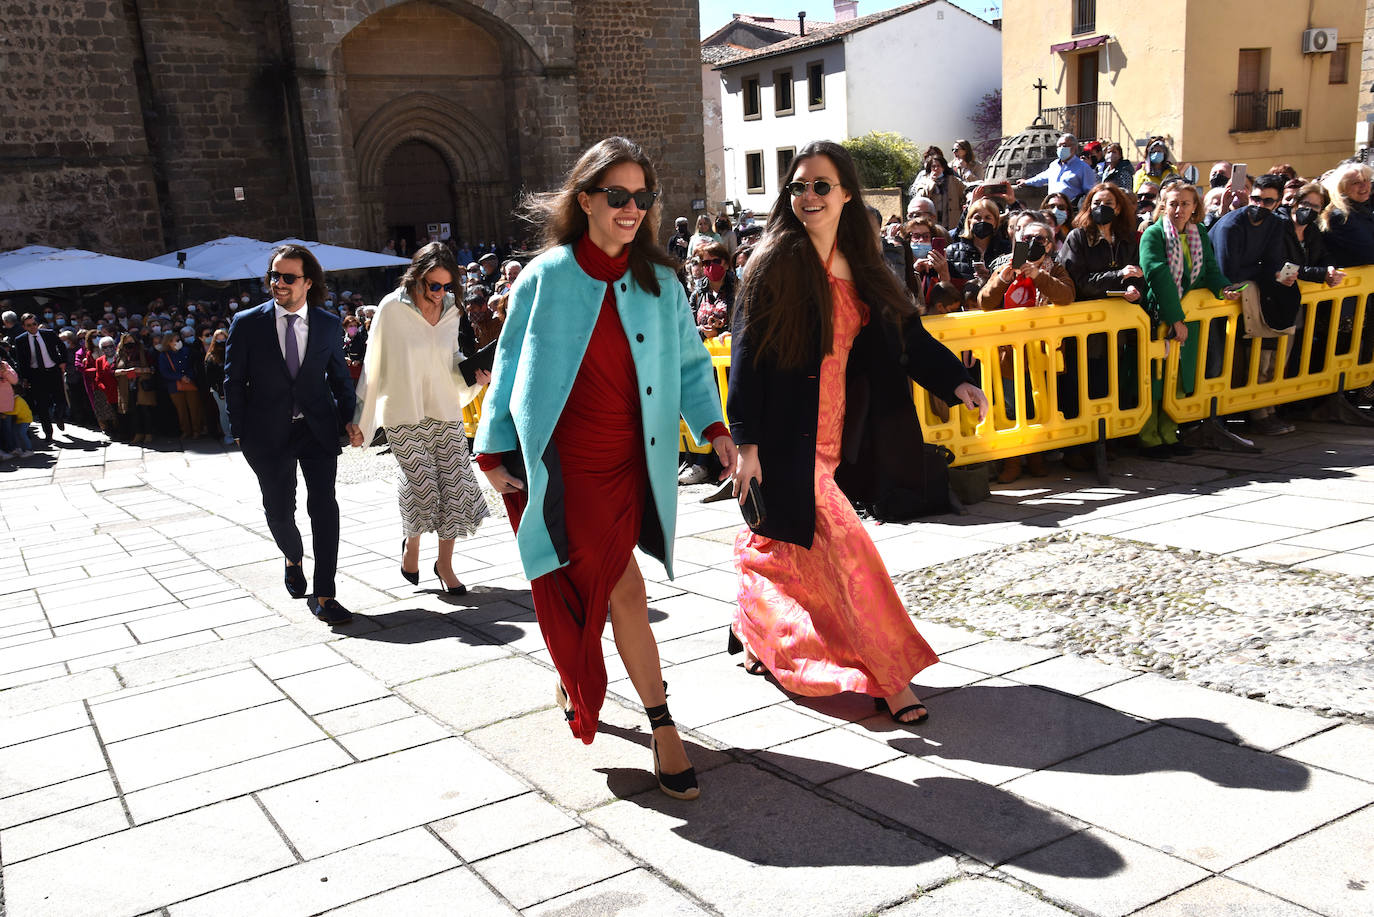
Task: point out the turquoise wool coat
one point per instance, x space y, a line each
552 309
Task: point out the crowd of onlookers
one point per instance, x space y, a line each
155 372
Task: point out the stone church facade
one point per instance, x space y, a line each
133 127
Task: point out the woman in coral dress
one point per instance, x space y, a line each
824 344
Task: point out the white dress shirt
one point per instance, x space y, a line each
38 351
301 329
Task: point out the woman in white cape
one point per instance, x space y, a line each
412 387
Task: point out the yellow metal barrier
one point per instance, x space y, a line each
1329 352
472 414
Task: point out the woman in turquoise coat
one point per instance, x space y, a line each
598 359
1176 257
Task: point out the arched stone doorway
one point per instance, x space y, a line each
429 116
416 193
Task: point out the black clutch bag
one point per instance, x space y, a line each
752 508
482 359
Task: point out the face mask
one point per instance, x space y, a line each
156 329
207 340
47 316
244 299
1255 212
714 272
1060 215
351 330
191 309
1036 250
1219 180
1157 157
1063 153
61 322
920 249
1102 214
176 345
122 315
982 230
1304 215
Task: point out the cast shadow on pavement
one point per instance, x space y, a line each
753 814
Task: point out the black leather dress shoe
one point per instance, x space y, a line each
295 581
329 611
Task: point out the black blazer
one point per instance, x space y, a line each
778 410
259 392
22 354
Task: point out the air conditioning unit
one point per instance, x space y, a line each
1286 118
1318 41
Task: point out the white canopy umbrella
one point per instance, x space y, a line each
39 267
240 258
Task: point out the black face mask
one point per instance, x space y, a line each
1102 214
1036 250
1254 212
1304 216
983 230
1219 180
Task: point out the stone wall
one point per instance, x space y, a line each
75 169
639 75
129 123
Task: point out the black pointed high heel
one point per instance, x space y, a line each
459 589
683 784
412 577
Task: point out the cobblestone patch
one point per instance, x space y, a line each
1287 637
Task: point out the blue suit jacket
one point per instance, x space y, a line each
259 392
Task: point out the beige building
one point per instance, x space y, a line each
1241 80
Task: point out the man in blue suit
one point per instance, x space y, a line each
289 395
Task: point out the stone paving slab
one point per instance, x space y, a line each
225 703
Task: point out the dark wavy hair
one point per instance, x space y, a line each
785 293
310 266
428 258
559 220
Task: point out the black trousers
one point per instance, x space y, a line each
48 400
277 480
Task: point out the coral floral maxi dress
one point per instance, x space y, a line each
828 619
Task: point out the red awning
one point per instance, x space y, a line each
1080 44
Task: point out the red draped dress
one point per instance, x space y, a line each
828 619
600 444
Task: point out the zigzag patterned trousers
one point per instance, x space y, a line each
438 492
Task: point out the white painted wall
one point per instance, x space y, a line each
959 56
772 132
713 138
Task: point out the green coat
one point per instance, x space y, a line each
1161 294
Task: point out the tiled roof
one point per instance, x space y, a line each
824 34
781 26
712 55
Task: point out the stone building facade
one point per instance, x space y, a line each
139 126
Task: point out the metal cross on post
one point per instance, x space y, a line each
1040 88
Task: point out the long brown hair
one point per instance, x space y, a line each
559 219
785 292
429 257
1123 224
310 265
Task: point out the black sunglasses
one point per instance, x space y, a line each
617 198
798 188
288 279
436 287
706 261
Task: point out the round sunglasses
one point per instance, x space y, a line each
616 198
798 188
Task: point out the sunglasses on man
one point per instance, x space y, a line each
287 279
798 188
616 198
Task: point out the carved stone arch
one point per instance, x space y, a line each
469 149
524 38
